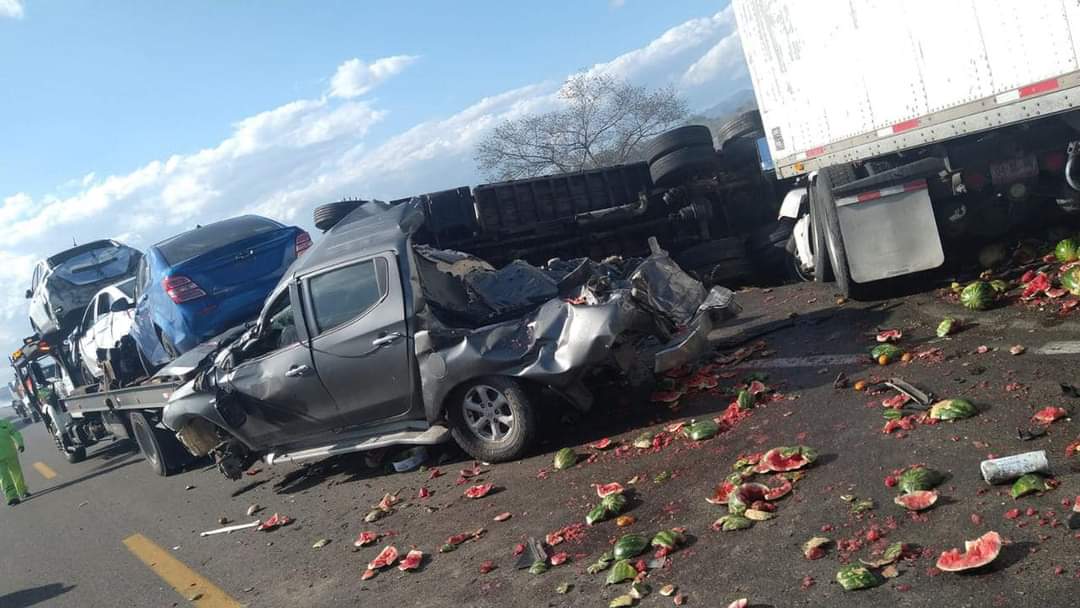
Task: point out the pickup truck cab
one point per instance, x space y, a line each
370 341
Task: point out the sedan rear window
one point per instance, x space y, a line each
93 263
343 294
203 239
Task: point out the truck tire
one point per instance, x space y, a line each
327 216
150 446
822 267
683 137
746 123
830 225
492 419
680 164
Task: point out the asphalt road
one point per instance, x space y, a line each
108 532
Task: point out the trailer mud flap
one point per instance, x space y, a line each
890 232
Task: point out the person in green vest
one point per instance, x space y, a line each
11 477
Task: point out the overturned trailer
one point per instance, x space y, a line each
373 340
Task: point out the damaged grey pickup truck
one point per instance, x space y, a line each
371 340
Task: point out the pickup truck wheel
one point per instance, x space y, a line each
148 442
492 419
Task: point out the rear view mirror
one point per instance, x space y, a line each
120 306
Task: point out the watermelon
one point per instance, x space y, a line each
538 567
952 409
601 563
1028 484
723 492
643 441
977 553
979 295
597 514
886 350
745 400
1049 414
621 571
701 430
946 327
789 458
892 553
479 491
630 545
1066 250
411 561
758 515
559 558
815 547
919 478
365 539
1070 280
917 500
602 444
732 522
853 577
745 495
564 459
604 489
889 335
739 603
668 539
780 491
999 286
385 558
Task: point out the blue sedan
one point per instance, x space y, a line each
197 284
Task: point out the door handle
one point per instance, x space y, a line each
387 339
297 371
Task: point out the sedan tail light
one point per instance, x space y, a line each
182 289
303 242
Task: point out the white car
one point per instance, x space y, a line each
108 318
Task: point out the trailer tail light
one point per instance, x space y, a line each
303 242
182 289
1052 162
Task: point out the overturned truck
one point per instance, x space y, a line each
374 340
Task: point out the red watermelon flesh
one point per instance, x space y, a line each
918 500
602 444
780 491
365 538
977 553
889 335
1049 414
606 489
479 491
411 561
723 492
786 459
385 558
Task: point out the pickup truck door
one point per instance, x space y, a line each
360 342
279 390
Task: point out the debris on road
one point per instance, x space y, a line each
977 553
1008 468
275 521
233 528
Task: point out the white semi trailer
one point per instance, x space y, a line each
923 126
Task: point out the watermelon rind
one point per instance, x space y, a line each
977 554
952 409
978 295
919 478
564 459
853 577
1066 250
630 545
919 500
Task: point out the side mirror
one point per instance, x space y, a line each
120 306
29 294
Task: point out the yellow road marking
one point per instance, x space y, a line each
188 583
45 470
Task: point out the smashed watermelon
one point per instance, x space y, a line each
605 489
365 539
1066 250
889 335
1070 280
780 491
977 553
601 444
411 561
1049 414
788 458
745 495
385 558
723 492
918 500
479 491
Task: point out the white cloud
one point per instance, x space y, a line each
616 3
723 61
285 161
12 9
354 77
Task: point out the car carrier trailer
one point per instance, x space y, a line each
82 417
924 126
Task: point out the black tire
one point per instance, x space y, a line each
505 394
830 224
680 164
746 123
689 136
147 438
327 216
822 267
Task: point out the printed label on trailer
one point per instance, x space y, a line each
778 138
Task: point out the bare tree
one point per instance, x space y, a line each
603 121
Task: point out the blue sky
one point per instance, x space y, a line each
135 120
